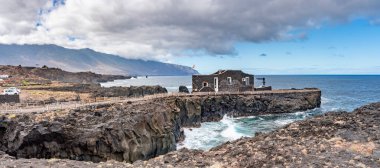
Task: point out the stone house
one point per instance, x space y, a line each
223 81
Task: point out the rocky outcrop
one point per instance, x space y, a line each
134 130
97 91
336 139
10 161
78 88
117 132
183 89
132 91
214 107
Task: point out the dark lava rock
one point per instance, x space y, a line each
97 91
345 140
142 130
183 89
133 91
335 139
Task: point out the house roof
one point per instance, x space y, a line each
221 72
224 71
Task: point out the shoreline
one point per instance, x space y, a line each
327 140
131 131
331 139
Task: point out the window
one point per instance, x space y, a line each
216 84
246 80
205 84
229 80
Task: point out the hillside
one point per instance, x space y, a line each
34 75
85 60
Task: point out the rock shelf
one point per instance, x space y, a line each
134 131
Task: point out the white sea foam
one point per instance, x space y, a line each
210 134
325 100
236 118
282 122
230 132
299 113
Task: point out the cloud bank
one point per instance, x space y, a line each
162 29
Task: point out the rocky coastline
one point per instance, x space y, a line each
133 131
334 139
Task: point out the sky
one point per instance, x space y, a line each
350 48
260 37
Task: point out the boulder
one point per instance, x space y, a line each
183 89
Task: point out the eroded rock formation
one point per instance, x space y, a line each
95 90
133 130
335 139
183 89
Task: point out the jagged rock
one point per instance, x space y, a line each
346 139
183 89
133 130
335 139
97 91
132 91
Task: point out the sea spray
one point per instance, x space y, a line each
211 134
230 132
204 137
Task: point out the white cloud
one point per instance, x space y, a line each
19 17
162 29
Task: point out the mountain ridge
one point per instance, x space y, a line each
78 60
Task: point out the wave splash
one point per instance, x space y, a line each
230 132
211 134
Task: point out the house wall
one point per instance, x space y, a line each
198 83
237 83
236 86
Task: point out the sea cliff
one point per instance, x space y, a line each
134 131
334 139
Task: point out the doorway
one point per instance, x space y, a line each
216 84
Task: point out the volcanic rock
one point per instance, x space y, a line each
183 89
134 131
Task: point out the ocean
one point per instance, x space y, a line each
339 93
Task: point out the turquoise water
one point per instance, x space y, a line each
339 92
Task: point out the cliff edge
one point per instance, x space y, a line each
335 139
134 131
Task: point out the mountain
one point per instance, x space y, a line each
85 60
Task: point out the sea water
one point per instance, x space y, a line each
339 93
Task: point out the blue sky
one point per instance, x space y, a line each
249 34
351 48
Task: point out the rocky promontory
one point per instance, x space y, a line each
132 131
335 139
